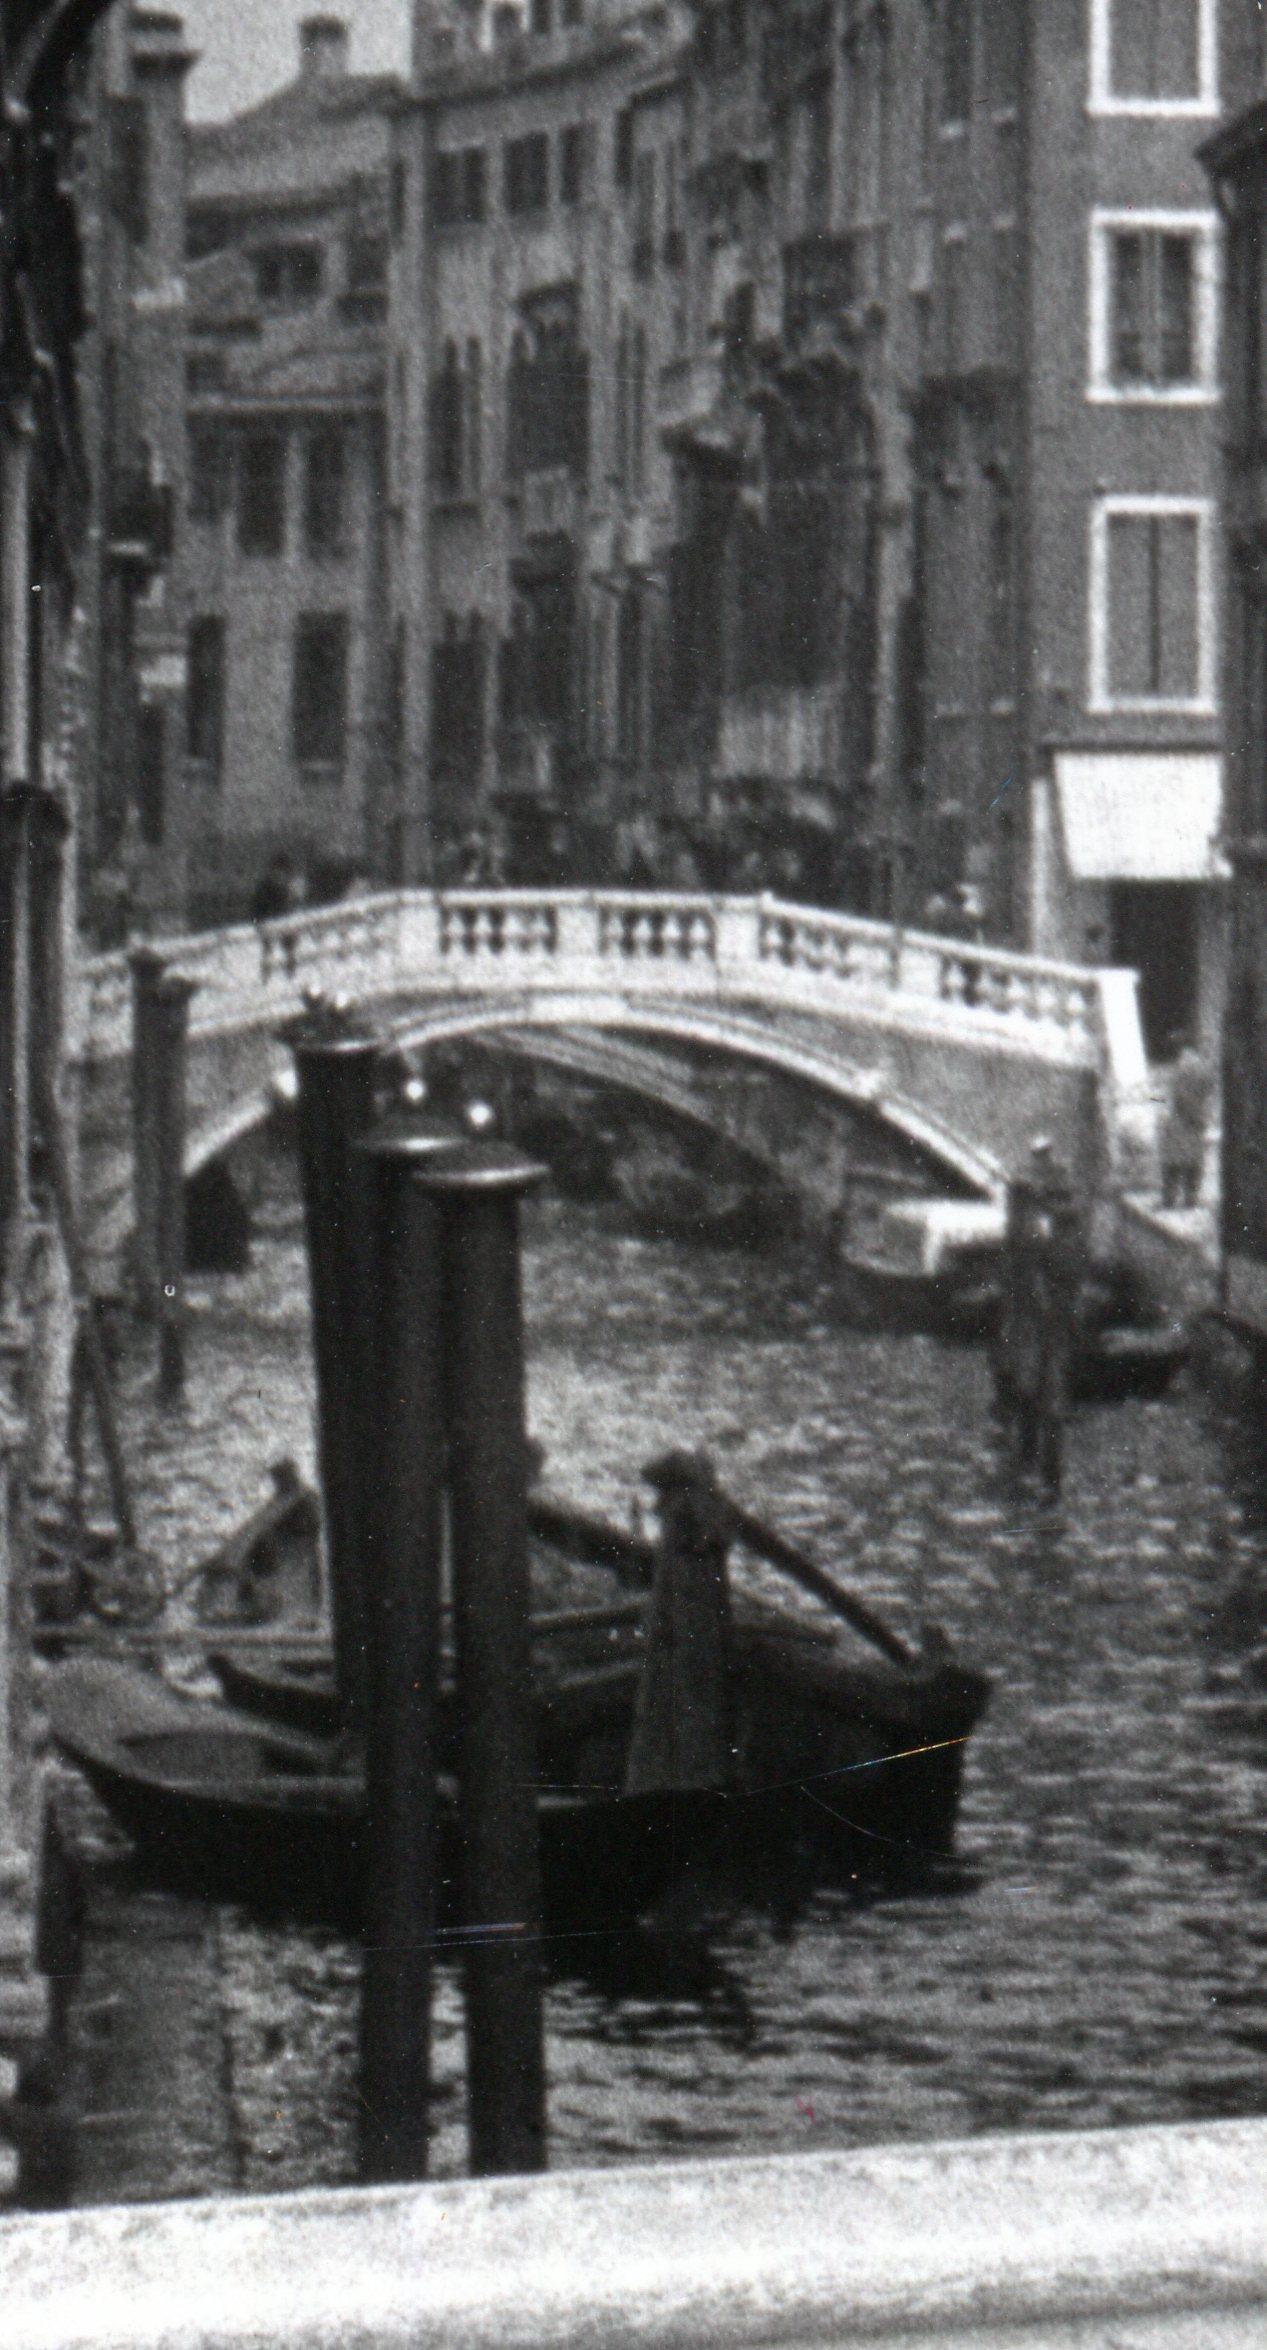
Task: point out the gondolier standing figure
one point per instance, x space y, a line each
683 1729
1044 1263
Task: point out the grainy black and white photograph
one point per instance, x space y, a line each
633 1174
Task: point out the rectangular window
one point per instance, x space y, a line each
955 301
526 173
130 167
365 267
262 493
644 212
1151 605
624 147
204 691
1153 56
958 59
458 188
1154 306
288 275
325 490
319 704
572 157
208 472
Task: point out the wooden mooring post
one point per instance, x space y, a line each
479 1190
336 1063
402 1442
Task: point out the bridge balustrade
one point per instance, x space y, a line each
630 942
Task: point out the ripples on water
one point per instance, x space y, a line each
1106 1958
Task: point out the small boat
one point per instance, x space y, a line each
925 1265
844 1762
1126 1348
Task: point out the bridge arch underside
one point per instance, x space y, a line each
736 1085
961 1110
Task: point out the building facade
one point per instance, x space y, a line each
1237 162
763 444
290 740
131 376
45 91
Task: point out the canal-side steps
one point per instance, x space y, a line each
1139 2239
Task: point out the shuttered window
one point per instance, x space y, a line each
1153 607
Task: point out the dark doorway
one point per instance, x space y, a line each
1155 931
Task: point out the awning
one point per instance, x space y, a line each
1141 815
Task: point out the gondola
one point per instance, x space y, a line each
842 1763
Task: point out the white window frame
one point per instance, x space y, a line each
1203 227
1103 100
1100 700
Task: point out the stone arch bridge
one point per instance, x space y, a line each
960 1052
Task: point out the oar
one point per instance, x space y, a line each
779 1552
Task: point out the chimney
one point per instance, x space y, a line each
323 48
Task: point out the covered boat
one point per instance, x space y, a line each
925 1264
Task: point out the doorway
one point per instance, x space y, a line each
1155 930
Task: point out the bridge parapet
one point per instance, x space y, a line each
631 944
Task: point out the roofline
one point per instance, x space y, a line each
468 80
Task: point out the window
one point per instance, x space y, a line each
459 187
572 162
1154 294
1152 632
365 269
1153 56
957 59
547 405
955 300
288 275
204 691
319 712
457 422
541 18
447 425
644 212
1002 592
526 170
130 167
473 403
459 671
262 493
325 490
208 472
624 147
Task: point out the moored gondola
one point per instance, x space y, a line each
847 1763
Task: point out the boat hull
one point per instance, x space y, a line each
857 1771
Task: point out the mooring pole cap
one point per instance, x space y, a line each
328 1023
475 1167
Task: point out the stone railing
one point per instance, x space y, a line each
754 950
1142 2239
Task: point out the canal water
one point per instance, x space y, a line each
1102 1959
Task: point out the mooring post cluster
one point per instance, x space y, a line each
413 1242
